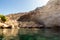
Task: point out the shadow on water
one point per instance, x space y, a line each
29 34
1 37
39 34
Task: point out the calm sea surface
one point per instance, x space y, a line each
29 34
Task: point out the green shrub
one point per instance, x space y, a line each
3 18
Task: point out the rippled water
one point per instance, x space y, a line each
29 34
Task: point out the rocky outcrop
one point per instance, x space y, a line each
30 24
9 24
6 26
48 16
13 23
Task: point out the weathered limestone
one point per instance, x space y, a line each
9 24
3 25
13 23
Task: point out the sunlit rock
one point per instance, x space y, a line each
13 23
9 24
3 25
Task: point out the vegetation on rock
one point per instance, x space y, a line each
3 18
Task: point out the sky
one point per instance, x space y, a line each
16 6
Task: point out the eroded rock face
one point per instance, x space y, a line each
3 25
13 23
48 15
30 24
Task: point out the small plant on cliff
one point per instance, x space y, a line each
3 18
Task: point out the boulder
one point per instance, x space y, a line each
3 25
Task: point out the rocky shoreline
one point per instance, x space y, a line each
9 24
47 16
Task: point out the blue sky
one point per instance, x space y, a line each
15 6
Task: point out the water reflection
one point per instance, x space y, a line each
29 34
8 34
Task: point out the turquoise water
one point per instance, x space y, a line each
29 34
